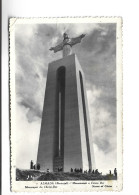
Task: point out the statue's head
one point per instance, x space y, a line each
65 35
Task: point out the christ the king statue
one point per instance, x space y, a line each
67 44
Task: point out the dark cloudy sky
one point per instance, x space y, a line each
97 56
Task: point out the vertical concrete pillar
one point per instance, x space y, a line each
75 133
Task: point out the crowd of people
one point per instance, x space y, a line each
34 166
75 170
60 169
79 170
95 172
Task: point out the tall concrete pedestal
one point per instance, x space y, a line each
65 136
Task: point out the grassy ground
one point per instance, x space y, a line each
26 175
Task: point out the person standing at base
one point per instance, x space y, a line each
115 172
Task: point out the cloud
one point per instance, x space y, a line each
105 162
77 29
27 135
102 122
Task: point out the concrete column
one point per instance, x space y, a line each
75 140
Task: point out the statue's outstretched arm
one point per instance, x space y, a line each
57 48
77 39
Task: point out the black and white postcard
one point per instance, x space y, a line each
66 104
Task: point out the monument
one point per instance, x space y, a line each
65 138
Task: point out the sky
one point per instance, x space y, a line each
97 56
